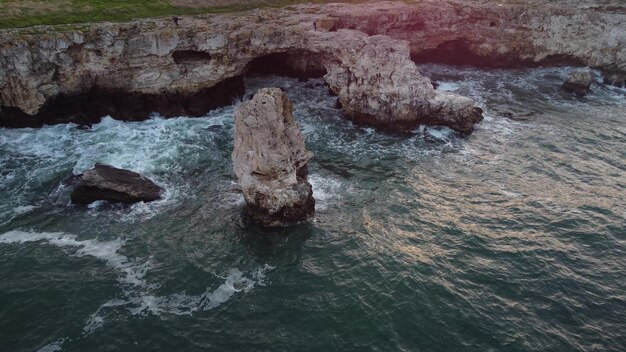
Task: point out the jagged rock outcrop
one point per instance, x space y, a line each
114 185
379 85
155 65
132 65
270 160
579 81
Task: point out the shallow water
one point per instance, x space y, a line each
512 239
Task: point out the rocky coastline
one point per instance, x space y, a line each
366 53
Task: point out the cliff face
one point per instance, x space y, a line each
498 33
55 74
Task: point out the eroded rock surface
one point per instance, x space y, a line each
378 84
270 160
498 33
365 52
114 185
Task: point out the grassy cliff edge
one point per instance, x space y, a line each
27 13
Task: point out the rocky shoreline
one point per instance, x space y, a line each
366 53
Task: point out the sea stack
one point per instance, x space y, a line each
270 160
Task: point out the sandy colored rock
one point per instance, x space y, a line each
270 160
366 50
579 81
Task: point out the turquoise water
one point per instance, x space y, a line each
512 239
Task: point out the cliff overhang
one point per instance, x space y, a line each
366 53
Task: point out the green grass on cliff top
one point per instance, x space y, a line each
26 13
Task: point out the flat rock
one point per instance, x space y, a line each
114 185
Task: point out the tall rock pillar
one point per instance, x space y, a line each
270 160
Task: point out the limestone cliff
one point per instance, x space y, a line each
498 33
79 73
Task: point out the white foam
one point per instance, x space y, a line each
139 297
441 133
24 209
52 347
107 251
145 303
448 86
183 304
160 149
326 190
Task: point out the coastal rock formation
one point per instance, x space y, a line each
114 185
127 70
270 160
579 82
365 52
501 33
378 85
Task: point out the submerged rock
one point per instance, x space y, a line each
114 185
579 81
614 78
515 113
270 160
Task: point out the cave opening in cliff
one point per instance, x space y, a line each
460 52
88 107
301 64
191 57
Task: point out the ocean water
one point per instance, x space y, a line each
511 239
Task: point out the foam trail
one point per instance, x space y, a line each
144 303
139 300
52 347
183 304
19 210
106 251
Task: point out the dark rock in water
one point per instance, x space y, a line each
270 160
338 104
513 113
616 79
114 185
434 83
579 82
